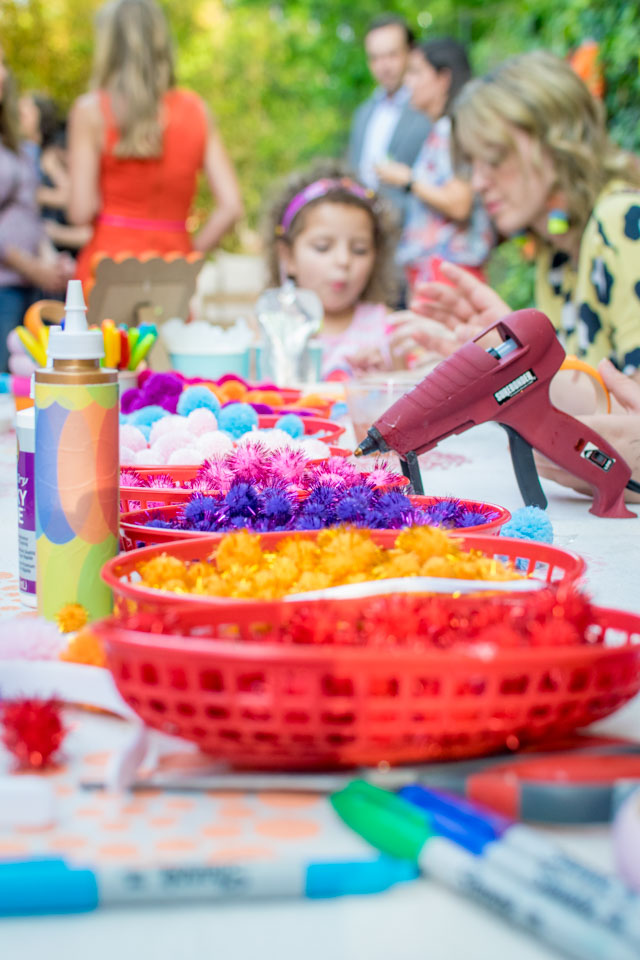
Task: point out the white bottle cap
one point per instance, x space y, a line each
76 341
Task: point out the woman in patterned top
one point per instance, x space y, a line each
542 162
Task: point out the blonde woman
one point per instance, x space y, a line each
542 162
137 144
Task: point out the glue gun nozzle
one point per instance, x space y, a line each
369 445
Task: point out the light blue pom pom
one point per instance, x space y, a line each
192 398
237 418
529 523
145 430
339 409
147 416
292 424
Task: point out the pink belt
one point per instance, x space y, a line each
140 223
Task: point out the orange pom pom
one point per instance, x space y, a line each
72 616
85 648
233 390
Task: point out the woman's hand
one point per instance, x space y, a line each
393 173
467 301
621 429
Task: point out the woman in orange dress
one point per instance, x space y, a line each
137 144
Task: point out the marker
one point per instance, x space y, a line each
48 886
396 827
531 856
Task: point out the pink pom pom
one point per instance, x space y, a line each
30 638
167 425
131 478
214 474
163 481
250 463
131 437
381 476
185 455
287 464
342 468
202 420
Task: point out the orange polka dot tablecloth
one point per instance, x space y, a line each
153 827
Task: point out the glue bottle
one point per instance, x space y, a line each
76 466
25 432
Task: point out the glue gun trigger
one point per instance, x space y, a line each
525 469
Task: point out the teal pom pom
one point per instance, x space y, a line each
529 523
237 418
292 424
192 398
147 416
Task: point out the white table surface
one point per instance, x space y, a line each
419 920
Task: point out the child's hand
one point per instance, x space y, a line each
411 335
393 173
467 301
368 361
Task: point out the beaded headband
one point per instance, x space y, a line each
315 190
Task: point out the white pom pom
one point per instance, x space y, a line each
147 458
167 425
214 444
314 449
201 421
185 455
131 437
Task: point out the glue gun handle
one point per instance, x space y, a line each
525 469
583 452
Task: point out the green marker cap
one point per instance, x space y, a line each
383 819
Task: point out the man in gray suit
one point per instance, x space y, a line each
385 126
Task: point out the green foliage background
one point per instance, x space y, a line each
283 78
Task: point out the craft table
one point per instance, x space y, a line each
418 920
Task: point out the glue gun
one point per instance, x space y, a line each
507 382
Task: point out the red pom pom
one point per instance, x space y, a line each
33 731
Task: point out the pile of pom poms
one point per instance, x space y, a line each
241 568
164 390
273 507
559 616
201 429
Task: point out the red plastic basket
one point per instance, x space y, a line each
539 560
260 705
134 533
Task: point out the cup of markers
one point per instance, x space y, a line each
126 347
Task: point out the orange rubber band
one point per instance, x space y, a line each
574 363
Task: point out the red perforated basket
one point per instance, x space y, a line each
539 560
258 704
134 533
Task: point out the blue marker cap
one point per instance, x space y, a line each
475 820
45 886
5 383
353 877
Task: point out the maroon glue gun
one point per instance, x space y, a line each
508 383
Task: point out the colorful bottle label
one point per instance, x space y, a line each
26 524
76 482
